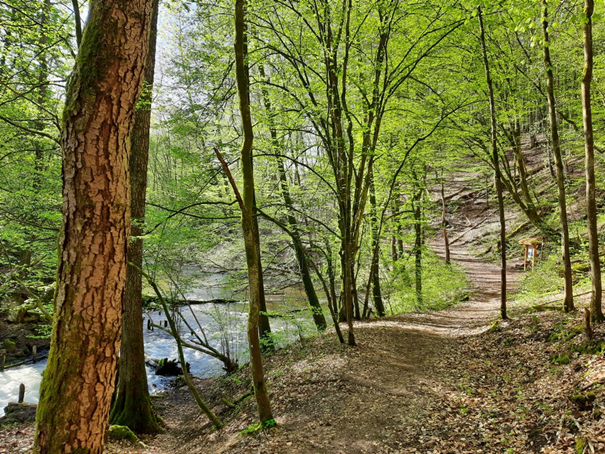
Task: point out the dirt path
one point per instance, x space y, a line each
374 398
470 317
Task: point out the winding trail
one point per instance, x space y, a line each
375 398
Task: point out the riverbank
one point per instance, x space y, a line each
532 384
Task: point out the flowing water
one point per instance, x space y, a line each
222 324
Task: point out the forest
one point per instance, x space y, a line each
302 226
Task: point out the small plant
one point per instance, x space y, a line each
254 429
561 358
581 444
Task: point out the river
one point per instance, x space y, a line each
224 322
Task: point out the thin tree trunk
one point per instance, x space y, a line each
297 245
132 405
42 94
498 178
556 148
78 21
251 239
593 235
417 199
264 326
446 241
174 332
375 266
79 379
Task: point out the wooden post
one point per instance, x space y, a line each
34 353
148 324
21 393
525 258
587 327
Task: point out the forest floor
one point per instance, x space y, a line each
444 382
434 382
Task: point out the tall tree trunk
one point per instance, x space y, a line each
251 239
446 241
264 326
375 265
497 176
132 405
556 148
297 244
593 235
42 93
79 379
417 200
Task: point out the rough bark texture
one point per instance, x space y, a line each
593 235
497 176
78 383
251 239
132 406
556 148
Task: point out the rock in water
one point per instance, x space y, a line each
170 368
15 413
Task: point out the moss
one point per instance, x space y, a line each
581 444
121 433
583 401
590 348
89 64
9 345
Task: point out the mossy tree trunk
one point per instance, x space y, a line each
79 380
496 164
593 234
556 148
132 405
251 240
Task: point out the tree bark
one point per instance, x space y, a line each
446 240
556 148
593 234
78 21
497 176
132 405
79 379
251 239
417 200
264 326
375 266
